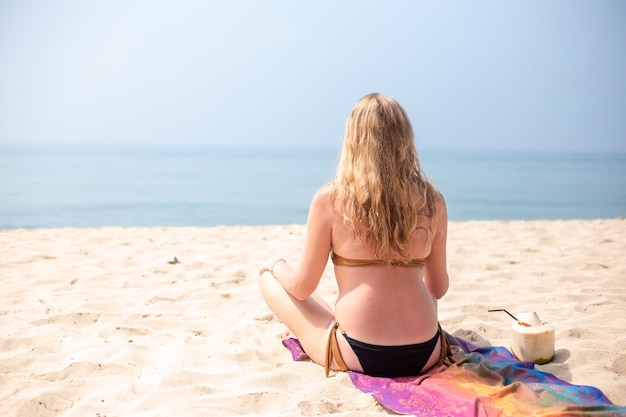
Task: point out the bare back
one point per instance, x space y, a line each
381 304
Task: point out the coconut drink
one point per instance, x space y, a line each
533 339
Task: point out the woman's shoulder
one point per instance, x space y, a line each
323 196
439 199
325 191
434 197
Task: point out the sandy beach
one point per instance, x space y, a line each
169 321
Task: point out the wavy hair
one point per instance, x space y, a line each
380 185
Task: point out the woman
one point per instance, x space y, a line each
384 225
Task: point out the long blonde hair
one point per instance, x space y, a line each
379 175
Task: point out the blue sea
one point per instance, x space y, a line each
48 186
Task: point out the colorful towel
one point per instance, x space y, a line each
484 381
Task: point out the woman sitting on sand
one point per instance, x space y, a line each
384 226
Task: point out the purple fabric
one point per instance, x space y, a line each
484 381
294 346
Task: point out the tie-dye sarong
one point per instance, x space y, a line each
483 381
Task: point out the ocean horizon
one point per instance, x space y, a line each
52 186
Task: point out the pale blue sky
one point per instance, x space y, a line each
539 75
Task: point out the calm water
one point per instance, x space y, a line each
83 186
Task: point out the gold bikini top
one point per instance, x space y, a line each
339 260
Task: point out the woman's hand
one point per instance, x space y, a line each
268 266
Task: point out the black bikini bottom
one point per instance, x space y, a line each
387 361
393 361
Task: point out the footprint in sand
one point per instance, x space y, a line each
226 283
317 408
124 331
72 319
198 337
268 318
619 365
158 299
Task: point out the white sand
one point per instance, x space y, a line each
96 322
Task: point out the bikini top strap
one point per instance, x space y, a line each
339 260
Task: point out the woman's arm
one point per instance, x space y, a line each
302 281
436 272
